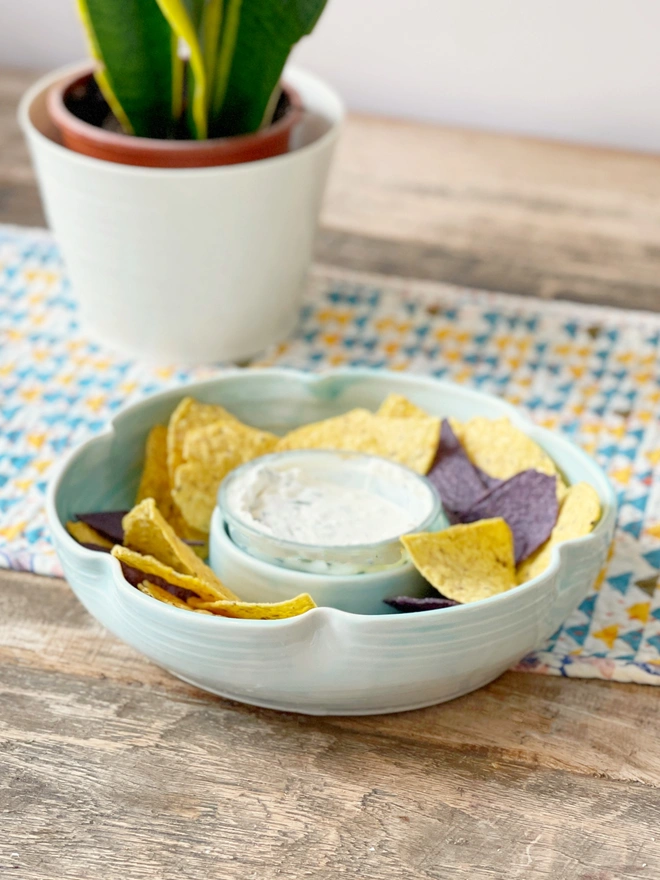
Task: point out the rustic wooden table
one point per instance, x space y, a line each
112 769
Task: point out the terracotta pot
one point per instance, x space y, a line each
92 140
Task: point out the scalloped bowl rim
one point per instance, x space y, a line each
113 567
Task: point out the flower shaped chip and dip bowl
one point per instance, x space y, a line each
518 548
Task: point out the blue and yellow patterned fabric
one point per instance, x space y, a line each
593 373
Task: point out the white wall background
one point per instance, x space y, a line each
585 70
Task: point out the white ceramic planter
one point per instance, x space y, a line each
187 265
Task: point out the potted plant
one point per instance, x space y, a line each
181 176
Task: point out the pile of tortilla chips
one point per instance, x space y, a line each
158 563
507 504
186 461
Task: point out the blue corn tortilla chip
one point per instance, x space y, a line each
106 523
96 547
488 481
528 503
135 577
407 604
455 477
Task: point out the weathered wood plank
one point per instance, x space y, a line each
489 267
20 204
103 779
14 164
498 212
19 199
590 728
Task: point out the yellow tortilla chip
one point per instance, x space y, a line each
189 414
155 483
578 514
456 426
259 611
162 595
502 451
205 444
466 562
409 441
149 565
85 534
146 531
209 454
398 406
196 487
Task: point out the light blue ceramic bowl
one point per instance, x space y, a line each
327 661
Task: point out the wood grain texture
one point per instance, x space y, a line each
498 212
19 199
104 780
110 768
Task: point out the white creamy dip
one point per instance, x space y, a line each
326 511
296 505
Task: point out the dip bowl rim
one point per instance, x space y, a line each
223 506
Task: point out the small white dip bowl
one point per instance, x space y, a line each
255 580
260 567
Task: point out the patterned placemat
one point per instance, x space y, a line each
590 372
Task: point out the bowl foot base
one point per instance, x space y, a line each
284 706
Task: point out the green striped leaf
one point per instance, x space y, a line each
211 25
262 32
181 18
132 41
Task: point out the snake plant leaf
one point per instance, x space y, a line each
186 78
132 41
195 9
210 27
265 31
181 17
225 56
